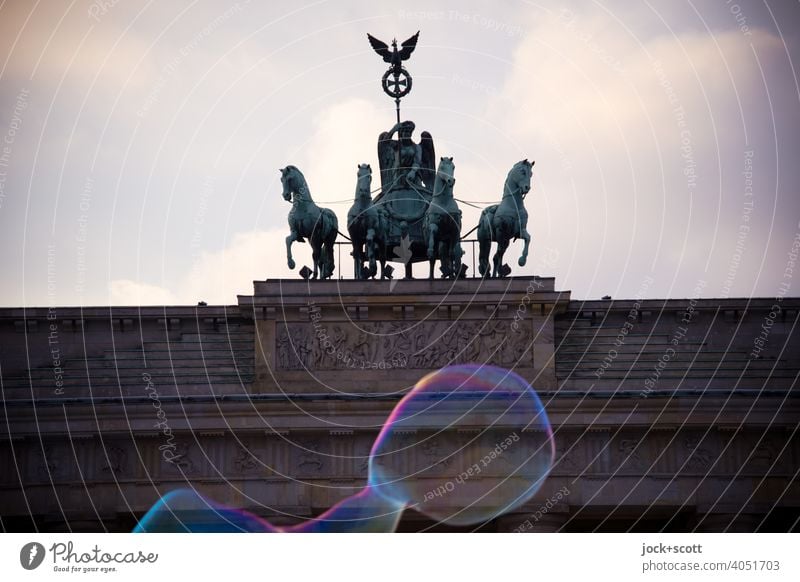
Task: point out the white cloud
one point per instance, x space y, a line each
578 93
345 135
217 277
127 292
606 115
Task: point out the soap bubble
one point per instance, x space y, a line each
364 512
186 511
467 444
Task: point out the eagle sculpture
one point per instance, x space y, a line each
394 56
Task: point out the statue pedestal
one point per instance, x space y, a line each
347 338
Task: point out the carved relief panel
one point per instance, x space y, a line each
382 345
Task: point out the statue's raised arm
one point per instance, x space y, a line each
403 162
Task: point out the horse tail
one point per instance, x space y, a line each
330 228
485 238
484 244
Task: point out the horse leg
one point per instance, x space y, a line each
289 240
382 259
432 230
327 242
459 253
327 257
450 252
502 245
527 238
315 256
441 253
373 268
450 248
455 253
356 262
485 247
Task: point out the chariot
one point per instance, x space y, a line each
415 216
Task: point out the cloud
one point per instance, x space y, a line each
601 84
127 292
55 43
217 277
590 95
640 141
345 135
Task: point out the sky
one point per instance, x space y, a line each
140 142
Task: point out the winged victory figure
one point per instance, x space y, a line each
403 162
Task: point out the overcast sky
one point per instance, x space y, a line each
141 142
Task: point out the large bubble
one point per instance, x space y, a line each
467 444
187 511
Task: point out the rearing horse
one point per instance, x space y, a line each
367 225
307 220
509 219
442 223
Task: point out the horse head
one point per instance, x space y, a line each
293 182
518 181
446 171
364 181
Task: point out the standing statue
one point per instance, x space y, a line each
403 163
502 222
442 225
408 173
307 220
367 225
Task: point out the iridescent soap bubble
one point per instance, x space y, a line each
187 511
467 444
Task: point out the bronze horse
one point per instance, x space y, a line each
367 225
442 224
309 221
502 222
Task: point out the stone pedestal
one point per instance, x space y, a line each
380 337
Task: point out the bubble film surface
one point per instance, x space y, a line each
186 511
467 444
